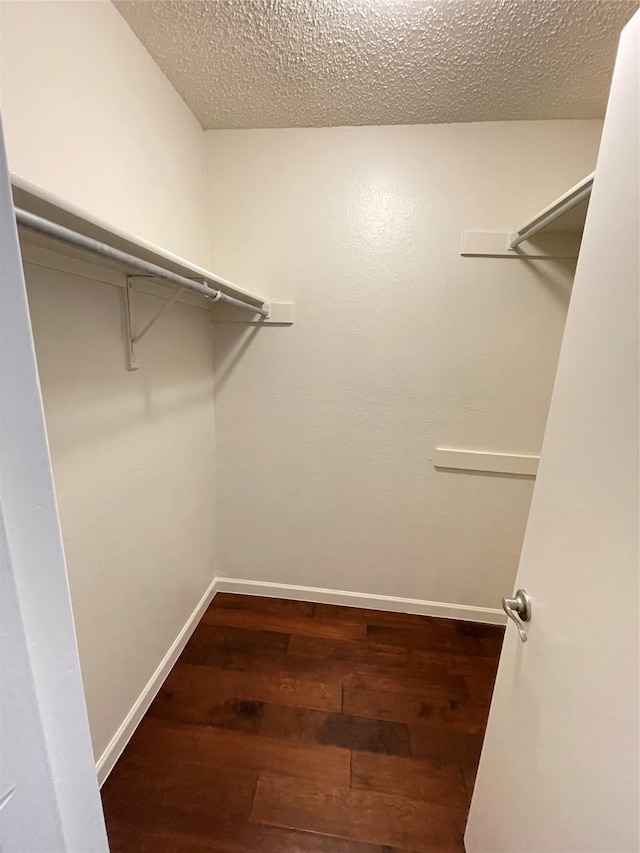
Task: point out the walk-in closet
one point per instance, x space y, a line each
319 399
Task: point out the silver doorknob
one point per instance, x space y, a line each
518 608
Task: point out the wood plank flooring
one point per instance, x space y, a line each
288 727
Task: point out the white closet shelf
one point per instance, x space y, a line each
557 229
43 218
567 213
453 459
35 200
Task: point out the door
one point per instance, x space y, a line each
559 767
49 799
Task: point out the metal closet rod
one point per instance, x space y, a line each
46 227
563 205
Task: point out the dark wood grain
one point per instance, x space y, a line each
209 705
433 681
480 686
484 666
245 838
157 816
193 689
213 645
480 630
456 714
429 624
382 819
414 778
264 605
418 638
331 628
288 727
347 731
443 746
222 749
346 651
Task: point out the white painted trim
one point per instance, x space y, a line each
121 738
360 599
40 201
34 254
280 314
477 460
495 244
37 252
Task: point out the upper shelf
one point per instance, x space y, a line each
35 200
567 213
554 232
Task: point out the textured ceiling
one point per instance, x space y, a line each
306 63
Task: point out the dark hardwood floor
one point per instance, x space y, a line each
288 727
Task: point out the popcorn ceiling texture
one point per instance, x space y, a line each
307 63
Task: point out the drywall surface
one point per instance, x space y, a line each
90 117
133 462
325 431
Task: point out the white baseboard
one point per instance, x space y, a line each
121 738
359 599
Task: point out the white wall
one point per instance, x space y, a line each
325 430
133 462
91 118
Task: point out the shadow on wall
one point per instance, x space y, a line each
108 422
558 286
231 341
503 475
93 399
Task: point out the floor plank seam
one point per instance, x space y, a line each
253 798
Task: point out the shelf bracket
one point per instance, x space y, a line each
132 339
132 357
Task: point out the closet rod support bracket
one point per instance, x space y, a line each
135 338
130 343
